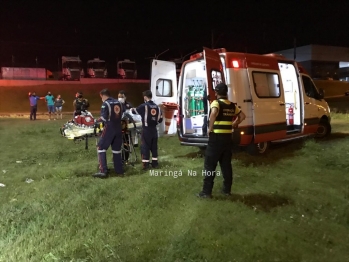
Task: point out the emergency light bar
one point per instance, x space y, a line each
220 50
196 56
235 64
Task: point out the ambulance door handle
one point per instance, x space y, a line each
247 100
282 104
307 103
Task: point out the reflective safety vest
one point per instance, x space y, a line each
224 119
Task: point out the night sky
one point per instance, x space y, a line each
139 30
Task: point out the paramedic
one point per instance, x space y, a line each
151 116
111 113
127 117
122 99
80 104
33 100
220 141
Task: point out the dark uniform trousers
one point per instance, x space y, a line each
33 110
110 136
218 151
149 144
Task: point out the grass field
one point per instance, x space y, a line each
291 204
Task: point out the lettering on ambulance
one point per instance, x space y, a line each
216 78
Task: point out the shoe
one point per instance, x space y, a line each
154 165
135 145
48 119
145 168
204 195
225 192
100 175
120 175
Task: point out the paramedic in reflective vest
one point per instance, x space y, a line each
220 141
151 116
80 104
111 113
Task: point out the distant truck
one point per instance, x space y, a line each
126 69
72 68
96 68
20 73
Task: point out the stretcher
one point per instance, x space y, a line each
74 132
85 125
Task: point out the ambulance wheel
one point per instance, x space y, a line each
323 130
257 149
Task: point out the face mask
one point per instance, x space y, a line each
121 100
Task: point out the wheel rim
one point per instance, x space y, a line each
262 147
321 130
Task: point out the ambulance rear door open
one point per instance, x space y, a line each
199 77
163 84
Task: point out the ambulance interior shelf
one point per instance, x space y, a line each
194 109
195 94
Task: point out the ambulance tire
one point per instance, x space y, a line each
323 130
258 149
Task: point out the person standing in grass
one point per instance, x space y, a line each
50 104
33 100
111 114
151 116
220 141
59 102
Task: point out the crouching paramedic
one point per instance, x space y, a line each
151 116
111 113
80 104
220 141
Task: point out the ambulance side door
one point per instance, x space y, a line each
214 71
163 81
311 110
269 115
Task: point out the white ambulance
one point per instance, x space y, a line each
280 100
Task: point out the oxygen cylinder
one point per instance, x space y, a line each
197 101
192 101
201 101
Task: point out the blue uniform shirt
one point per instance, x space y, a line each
33 100
150 113
111 112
